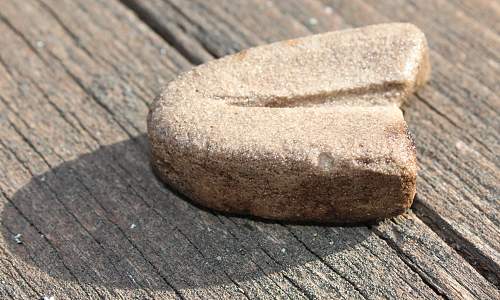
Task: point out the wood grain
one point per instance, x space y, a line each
469 184
75 181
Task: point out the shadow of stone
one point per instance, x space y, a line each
105 219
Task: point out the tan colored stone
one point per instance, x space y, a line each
304 130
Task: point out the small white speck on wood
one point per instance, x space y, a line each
17 238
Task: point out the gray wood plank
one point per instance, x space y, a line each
441 144
254 21
75 178
456 124
99 224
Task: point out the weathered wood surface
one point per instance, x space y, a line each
76 79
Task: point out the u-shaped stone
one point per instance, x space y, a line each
304 130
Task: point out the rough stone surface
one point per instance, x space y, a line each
303 130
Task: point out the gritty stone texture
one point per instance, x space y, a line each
305 130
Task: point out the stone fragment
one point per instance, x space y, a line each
301 130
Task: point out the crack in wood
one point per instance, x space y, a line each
204 47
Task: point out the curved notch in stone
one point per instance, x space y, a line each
302 130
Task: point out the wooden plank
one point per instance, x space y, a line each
76 215
482 11
459 188
96 223
99 224
459 178
259 16
44 91
445 94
